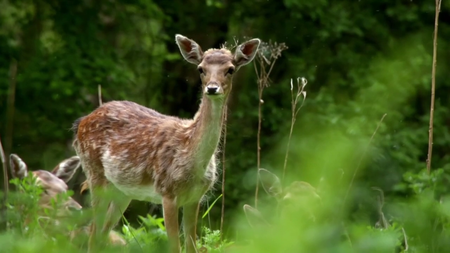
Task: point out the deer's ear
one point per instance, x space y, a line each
245 52
19 168
254 217
67 168
190 50
271 183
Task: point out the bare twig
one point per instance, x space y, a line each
382 222
5 169
347 235
10 107
362 157
294 111
268 54
8 139
405 239
5 187
224 143
100 95
433 85
261 85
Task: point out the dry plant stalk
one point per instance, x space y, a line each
100 95
224 143
267 55
5 170
405 239
382 222
294 111
362 157
10 107
3 208
433 85
9 133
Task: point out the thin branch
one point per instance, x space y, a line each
5 169
405 239
100 95
382 219
362 157
10 107
433 86
261 80
224 143
5 187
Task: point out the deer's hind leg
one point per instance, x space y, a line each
118 203
107 203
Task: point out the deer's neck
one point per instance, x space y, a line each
207 128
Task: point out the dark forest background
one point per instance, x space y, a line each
362 59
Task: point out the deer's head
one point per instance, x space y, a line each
217 66
53 183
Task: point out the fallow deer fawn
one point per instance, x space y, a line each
296 197
144 155
54 183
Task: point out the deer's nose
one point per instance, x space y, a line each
212 89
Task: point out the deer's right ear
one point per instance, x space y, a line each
67 168
18 167
190 50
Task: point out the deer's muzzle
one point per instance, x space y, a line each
213 89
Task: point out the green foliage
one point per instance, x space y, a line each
437 181
211 206
32 227
24 206
211 241
151 232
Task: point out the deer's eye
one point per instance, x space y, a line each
230 71
200 69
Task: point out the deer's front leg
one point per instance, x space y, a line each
170 211
190 214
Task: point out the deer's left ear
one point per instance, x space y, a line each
19 168
67 168
245 52
271 183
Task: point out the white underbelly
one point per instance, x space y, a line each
132 186
140 192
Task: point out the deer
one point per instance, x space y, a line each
139 153
54 183
299 197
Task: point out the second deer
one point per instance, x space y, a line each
299 198
141 154
54 183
